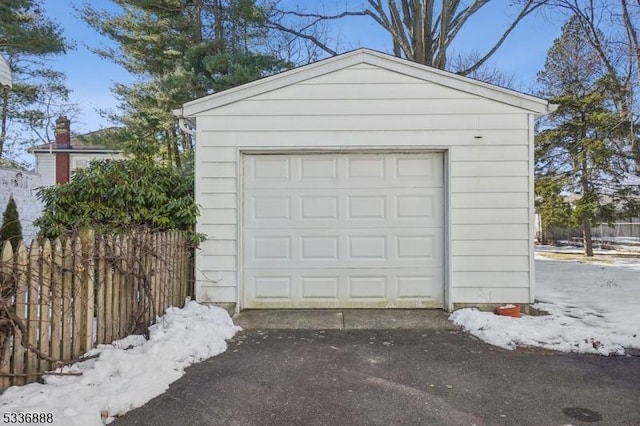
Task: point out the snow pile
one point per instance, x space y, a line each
120 380
592 309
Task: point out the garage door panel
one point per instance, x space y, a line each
319 248
343 230
344 208
351 248
383 288
346 170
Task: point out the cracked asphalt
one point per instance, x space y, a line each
382 377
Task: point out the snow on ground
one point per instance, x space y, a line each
122 379
593 308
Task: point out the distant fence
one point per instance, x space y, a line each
621 233
60 298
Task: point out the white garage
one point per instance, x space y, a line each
365 181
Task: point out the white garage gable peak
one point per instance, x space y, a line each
429 74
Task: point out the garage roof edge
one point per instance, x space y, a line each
526 102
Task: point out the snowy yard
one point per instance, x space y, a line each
120 380
593 308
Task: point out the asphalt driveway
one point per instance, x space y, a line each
382 377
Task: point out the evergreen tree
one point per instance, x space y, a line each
581 151
180 50
11 229
38 95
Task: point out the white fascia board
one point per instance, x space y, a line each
422 72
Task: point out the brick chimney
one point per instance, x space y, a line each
63 141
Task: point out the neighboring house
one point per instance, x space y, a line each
56 161
22 186
365 181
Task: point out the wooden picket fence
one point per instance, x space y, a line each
60 298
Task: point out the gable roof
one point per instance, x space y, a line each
528 103
81 143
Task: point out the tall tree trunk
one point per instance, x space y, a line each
586 222
586 237
4 110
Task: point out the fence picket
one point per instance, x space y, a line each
31 362
7 287
44 323
108 291
22 290
100 293
66 284
125 285
88 301
76 345
56 300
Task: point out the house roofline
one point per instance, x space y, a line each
74 150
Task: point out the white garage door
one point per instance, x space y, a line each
343 231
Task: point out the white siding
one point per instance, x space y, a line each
81 160
46 167
216 189
22 186
46 164
363 108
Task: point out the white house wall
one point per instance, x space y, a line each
46 163
46 167
22 186
365 107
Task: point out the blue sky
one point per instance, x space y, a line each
91 78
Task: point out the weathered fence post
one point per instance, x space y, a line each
7 286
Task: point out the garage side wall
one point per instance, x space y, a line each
365 107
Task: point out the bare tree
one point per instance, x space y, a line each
421 30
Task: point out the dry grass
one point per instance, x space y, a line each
598 258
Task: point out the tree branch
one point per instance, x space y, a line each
529 7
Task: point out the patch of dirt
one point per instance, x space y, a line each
537 312
579 257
